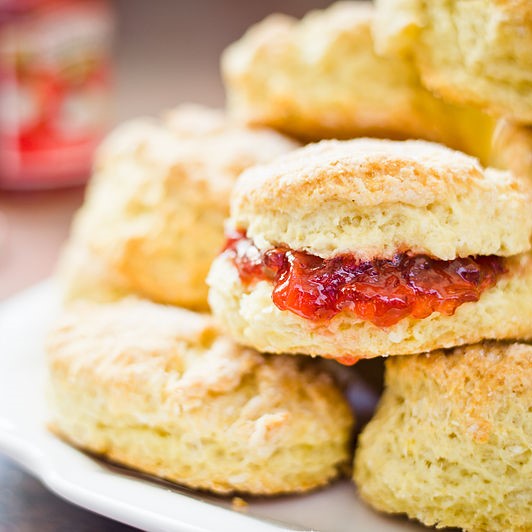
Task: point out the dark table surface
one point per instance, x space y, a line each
27 506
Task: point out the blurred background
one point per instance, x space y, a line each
164 52
168 51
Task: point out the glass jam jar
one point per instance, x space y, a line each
54 89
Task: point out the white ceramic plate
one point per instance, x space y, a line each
120 494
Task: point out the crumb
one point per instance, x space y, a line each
239 504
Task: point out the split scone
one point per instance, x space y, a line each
365 248
451 442
469 52
320 78
153 217
159 389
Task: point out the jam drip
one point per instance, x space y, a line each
382 291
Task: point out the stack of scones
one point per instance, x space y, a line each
382 241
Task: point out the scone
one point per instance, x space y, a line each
477 53
160 390
320 78
364 248
153 217
451 443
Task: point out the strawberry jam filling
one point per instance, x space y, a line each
382 291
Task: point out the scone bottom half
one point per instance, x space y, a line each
319 287
161 390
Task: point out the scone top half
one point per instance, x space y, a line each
374 230
373 198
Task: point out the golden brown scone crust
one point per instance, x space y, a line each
451 442
320 78
372 198
249 315
469 52
153 216
159 389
